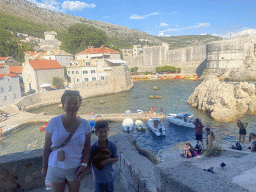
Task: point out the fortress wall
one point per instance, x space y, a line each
119 81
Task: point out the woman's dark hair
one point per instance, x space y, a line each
207 129
70 93
240 124
101 125
198 120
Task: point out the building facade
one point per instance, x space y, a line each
35 73
9 89
50 41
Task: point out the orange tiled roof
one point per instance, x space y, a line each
3 58
30 52
1 66
15 69
45 64
10 75
102 49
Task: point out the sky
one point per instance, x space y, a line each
224 18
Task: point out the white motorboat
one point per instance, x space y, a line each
128 124
127 111
181 119
156 125
140 125
140 111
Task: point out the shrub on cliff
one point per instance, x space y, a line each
58 82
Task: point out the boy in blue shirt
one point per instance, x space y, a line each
103 154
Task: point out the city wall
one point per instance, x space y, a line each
118 81
218 56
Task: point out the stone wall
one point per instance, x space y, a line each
22 171
118 81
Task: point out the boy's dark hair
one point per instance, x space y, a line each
70 93
100 125
207 129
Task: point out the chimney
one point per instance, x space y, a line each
88 47
102 47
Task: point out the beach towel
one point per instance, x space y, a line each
194 155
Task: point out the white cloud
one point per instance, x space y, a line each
164 25
142 16
244 31
106 17
76 5
161 34
54 5
201 25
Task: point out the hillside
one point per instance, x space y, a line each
121 36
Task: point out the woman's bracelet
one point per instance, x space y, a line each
84 164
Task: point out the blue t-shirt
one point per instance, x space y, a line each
107 174
254 144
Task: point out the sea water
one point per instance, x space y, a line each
174 96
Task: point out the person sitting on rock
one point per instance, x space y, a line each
252 139
188 150
242 131
210 137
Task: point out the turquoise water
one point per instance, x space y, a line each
174 96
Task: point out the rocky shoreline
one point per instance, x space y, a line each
223 101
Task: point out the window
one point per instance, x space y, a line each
72 72
68 72
85 72
10 88
86 79
14 95
5 97
87 63
101 78
1 89
92 71
94 78
77 72
77 80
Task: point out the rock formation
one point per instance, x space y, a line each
223 101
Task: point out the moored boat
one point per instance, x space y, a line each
128 124
156 125
140 111
181 119
140 125
154 97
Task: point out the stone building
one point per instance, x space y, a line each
38 72
8 61
221 55
85 70
50 41
98 53
9 89
61 56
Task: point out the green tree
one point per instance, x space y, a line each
134 69
58 82
79 36
167 68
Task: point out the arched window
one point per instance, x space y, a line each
94 78
101 78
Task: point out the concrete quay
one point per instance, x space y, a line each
20 119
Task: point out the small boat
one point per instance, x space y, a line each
140 111
102 102
181 119
128 124
43 127
127 111
140 125
154 97
155 88
60 105
156 125
92 124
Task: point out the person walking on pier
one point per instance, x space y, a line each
67 146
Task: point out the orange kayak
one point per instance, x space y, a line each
43 127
